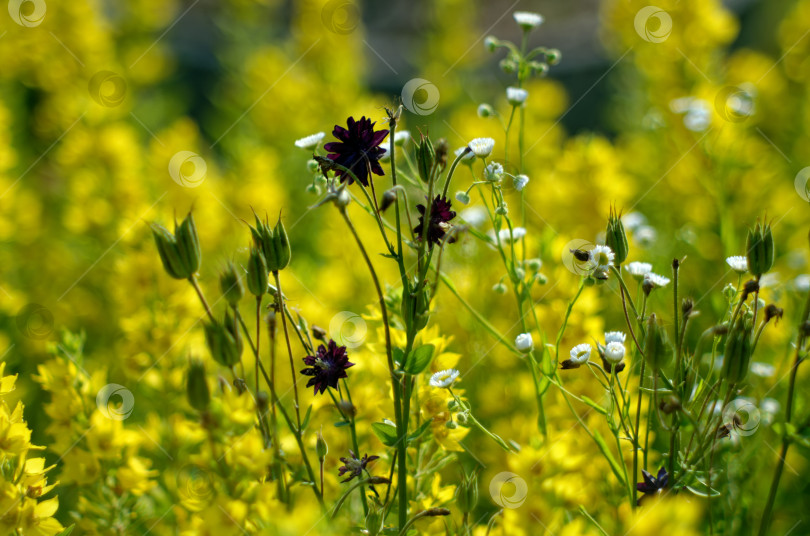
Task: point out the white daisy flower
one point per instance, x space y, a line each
770 405
657 281
520 182
633 220
516 95
580 353
444 379
738 263
528 20
482 147
524 342
493 172
311 141
517 234
699 116
401 137
468 158
763 370
601 258
614 352
475 216
802 282
645 236
614 336
638 269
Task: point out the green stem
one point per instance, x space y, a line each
780 465
396 384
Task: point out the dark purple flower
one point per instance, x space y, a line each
440 216
354 465
358 149
653 485
327 366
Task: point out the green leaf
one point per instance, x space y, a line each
419 431
385 432
305 422
398 354
594 405
340 424
614 465
419 359
67 531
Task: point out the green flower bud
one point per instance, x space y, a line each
273 243
374 520
615 237
197 386
321 448
485 110
425 158
657 350
759 249
737 355
534 265
416 308
231 285
467 493
224 341
507 65
313 189
312 166
257 273
188 245
553 56
168 251
491 43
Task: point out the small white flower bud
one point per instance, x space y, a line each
524 342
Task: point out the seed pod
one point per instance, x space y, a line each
759 249
188 245
615 237
257 273
737 355
224 341
425 158
231 285
197 386
657 350
169 253
467 493
281 248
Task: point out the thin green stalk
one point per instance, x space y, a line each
396 384
780 465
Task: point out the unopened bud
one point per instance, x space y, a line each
231 285
759 247
197 386
388 198
321 448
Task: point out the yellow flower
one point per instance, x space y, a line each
134 477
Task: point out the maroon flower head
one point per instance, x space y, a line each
358 149
440 216
653 485
354 465
327 366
